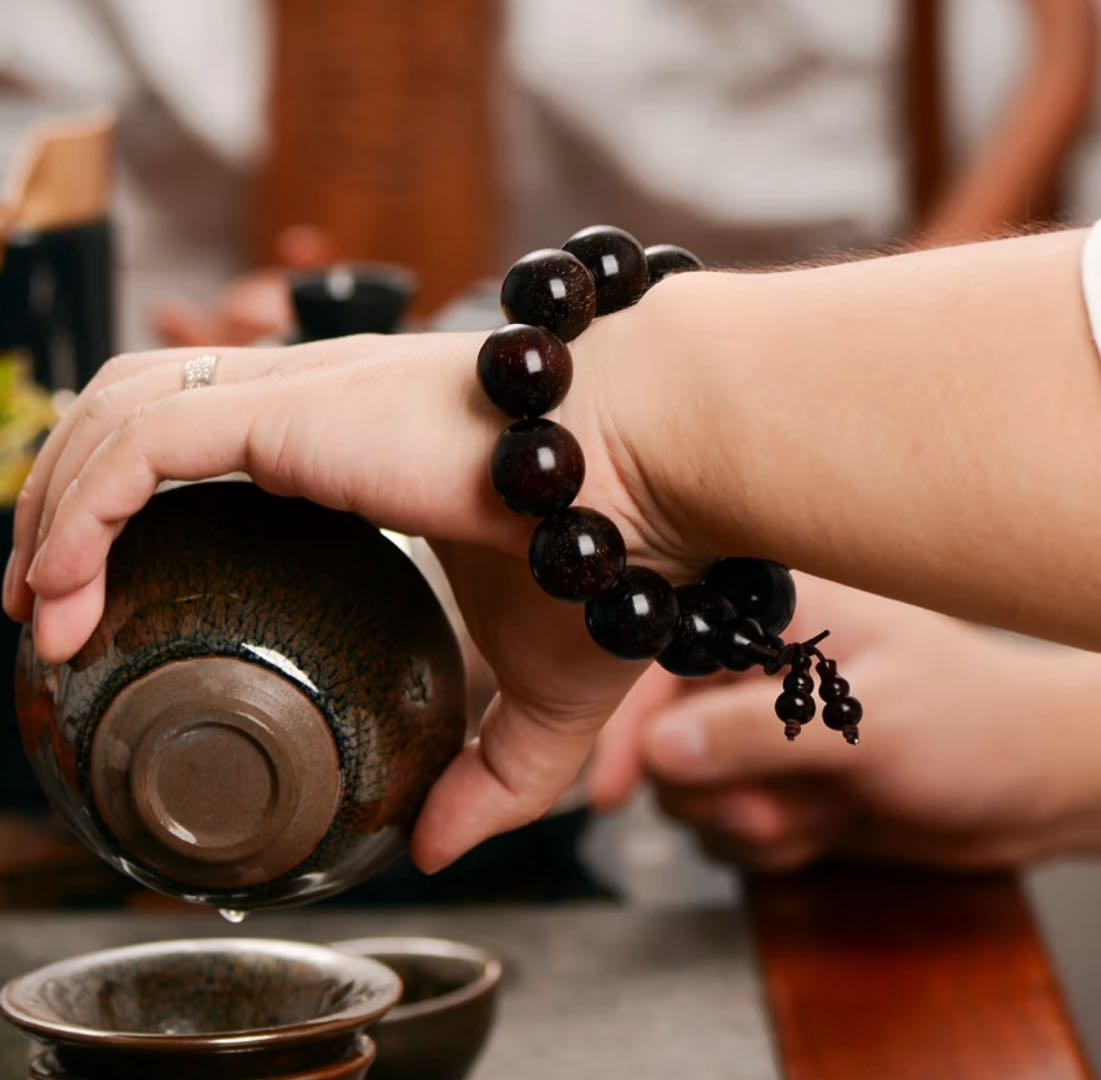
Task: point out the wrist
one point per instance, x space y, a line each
703 441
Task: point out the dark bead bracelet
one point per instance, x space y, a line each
734 618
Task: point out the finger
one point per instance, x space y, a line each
179 325
731 734
510 776
762 815
19 598
94 507
103 412
59 624
426 479
775 859
764 828
616 764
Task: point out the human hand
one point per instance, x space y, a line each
254 307
979 750
393 429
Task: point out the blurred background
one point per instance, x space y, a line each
164 166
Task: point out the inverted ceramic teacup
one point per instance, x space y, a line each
447 1008
263 708
248 1009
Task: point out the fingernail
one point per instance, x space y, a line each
676 742
36 562
9 580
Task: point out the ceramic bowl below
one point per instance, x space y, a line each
244 1008
448 1005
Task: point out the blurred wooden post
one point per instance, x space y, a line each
923 104
381 134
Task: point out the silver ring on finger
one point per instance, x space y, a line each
199 371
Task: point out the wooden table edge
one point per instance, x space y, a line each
873 972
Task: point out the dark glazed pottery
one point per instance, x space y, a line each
247 1009
365 298
269 696
447 1007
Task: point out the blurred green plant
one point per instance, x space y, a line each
27 412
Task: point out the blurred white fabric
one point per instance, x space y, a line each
752 114
204 60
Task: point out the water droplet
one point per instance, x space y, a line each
233 916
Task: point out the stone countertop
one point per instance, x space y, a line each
591 991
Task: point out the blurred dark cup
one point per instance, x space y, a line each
363 298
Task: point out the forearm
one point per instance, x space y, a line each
926 426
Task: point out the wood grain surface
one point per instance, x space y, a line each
890 973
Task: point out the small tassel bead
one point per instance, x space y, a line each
758 588
795 706
702 616
635 618
617 263
666 259
832 689
577 554
552 289
795 709
799 682
844 714
537 467
524 370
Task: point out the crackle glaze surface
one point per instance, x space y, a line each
223 569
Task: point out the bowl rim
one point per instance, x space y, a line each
380 990
379 948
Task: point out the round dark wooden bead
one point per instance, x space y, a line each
666 259
799 683
636 617
701 616
617 263
832 689
537 467
577 554
758 588
742 644
795 706
552 289
841 713
524 370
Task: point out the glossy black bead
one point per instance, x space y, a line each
832 689
524 370
552 289
665 259
795 706
617 263
758 589
742 644
798 683
636 617
577 554
702 615
841 713
537 467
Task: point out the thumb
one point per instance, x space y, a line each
731 734
510 775
616 765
